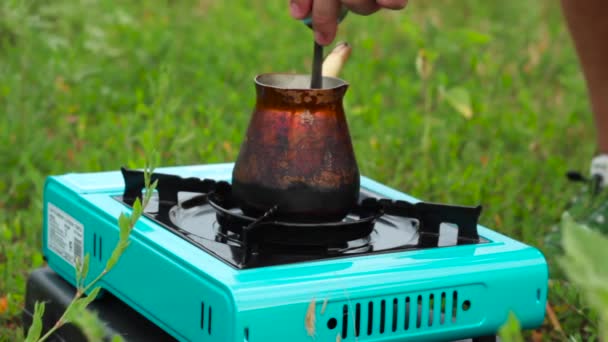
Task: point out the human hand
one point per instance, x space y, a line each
325 13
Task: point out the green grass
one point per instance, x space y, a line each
84 85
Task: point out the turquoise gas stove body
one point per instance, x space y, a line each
431 294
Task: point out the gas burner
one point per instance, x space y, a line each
266 230
205 212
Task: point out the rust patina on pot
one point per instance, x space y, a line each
297 153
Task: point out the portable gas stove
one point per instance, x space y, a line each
395 269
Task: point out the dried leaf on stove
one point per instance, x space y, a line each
310 319
324 306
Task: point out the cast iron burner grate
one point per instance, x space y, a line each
205 213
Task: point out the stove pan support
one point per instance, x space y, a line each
430 217
168 187
249 230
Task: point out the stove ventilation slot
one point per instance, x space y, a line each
399 315
97 247
345 321
206 317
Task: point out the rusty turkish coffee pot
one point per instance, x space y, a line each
297 154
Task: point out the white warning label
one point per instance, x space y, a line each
64 235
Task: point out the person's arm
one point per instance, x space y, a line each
325 13
588 26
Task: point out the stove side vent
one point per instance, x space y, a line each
408 315
206 315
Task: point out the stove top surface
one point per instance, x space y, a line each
205 214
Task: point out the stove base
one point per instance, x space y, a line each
45 285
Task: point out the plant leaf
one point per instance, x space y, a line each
124 220
90 297
424 64
82 269
476 37
90 324
78 271
77 307
116 253
85 267
511 330
136 209
33 333
117 338
460 100
584 263
154 185
124 224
